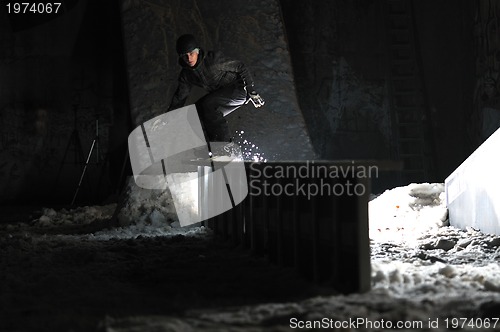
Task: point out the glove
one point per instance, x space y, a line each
256 99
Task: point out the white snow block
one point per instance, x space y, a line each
473 189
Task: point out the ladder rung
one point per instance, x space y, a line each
410 155
416 140
409 124
407 61
414 170
407 109
400 35
404 77
396 15
401 46
399 29
399 58
401 43
411 139
403 59
405 93
406 65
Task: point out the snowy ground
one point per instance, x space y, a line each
59 275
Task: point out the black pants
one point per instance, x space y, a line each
213 107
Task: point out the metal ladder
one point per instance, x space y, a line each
409 106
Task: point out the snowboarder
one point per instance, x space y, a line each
228 83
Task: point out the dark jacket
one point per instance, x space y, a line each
212 71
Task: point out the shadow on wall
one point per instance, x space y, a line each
338 76
63 73
485 118
358 116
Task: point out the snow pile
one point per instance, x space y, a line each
418 258
146 206
422 269
150 223
427 279
414 251
405 213
78 216
145 230
146 213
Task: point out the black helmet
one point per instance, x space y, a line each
186 43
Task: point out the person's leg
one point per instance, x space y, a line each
215 106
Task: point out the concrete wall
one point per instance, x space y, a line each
324 80
447 52
251 31
35 79
340 60
485 118
49 70
338 52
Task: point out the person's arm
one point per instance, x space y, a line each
230 65
245 74
252 94
181 93
249 85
